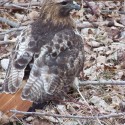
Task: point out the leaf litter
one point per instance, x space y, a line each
104 43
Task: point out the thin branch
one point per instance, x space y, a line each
9 22
69 116
8 5
6 42
12 30
3 2
110 11
21 5
104 82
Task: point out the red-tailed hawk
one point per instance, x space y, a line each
54 46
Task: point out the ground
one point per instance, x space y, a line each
102 26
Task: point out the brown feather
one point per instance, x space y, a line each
56 50
13 101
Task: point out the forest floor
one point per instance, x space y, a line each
102 26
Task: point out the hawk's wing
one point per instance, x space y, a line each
19 59
56 67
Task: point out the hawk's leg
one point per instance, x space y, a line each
37 106
42 106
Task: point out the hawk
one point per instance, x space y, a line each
53 48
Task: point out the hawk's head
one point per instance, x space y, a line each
58 10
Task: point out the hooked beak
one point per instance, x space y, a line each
66 9
74 6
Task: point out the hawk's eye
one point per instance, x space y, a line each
64 3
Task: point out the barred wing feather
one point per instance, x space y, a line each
55 68
19 59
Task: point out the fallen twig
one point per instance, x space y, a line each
12 30
6 42
9 22
110 11
69 116
109 82
3 2
8 5
21 5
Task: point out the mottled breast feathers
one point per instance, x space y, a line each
54 51
54 68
